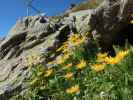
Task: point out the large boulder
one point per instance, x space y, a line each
82 20
108 21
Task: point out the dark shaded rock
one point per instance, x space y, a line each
109 19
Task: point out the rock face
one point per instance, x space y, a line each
39 35
82 20
33 35
109 19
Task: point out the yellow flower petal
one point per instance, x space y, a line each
131 21
118 58
112 61
98 67
60 60
69 76
48 72
101 57
73 89
81 65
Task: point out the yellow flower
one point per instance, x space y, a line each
68 50
112 61
74 37
115 60
66 56
122 54
73 89
69 76
81 65
60 60
63 47
48 72
131 21
63 58
98 67
68 66
101 57
78 41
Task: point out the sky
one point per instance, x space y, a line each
12 10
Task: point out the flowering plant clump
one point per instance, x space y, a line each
78 74
103 60
115 60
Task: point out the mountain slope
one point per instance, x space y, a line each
28 53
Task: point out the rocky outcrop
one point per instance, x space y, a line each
108 21
82 20
30 36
